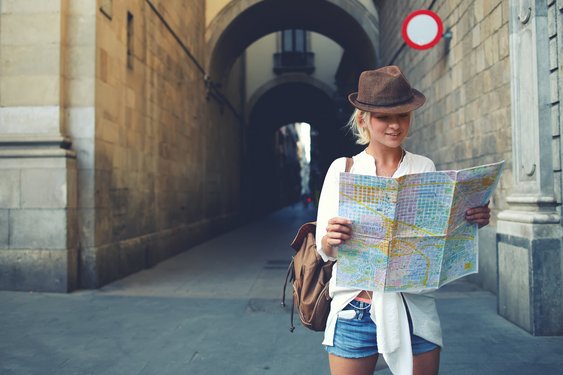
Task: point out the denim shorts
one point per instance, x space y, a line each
355 334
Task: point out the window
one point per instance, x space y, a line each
293 52
130 43
294 40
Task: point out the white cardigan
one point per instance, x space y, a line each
387 309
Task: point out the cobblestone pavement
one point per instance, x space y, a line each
215 309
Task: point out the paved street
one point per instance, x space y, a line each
215 310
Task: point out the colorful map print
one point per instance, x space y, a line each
410 233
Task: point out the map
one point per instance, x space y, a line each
409 233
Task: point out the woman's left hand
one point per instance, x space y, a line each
479 215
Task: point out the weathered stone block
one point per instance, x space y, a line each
82 30
479 52
476 36
514 284
557 183
29 6
81 91
503 41
552 21
555 113
556 154
108 104
491 50
496 19
82 61
38 229
86 194
553 54
31 29
487 277
44 188
84 7
86 229
103 226
73 240
554 87
29 59
30 90
104 264
30 120
489 6
505 12
38 270
9 188
4 228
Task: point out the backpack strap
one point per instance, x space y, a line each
349 163
305 229
290 276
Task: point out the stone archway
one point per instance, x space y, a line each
290 78
241 22
278 105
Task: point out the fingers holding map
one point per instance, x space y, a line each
410 233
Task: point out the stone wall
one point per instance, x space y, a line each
166 155
466 120
39 93
529 232
113 153
555 34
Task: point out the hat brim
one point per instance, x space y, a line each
417 101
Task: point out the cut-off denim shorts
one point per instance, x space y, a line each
355 334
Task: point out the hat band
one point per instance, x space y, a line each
386 105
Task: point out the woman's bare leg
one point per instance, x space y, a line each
352 366
427 363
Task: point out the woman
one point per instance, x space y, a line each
404 327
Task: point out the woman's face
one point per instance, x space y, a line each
389 129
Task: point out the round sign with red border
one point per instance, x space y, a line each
422 29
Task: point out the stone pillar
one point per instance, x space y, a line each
38 194
529 233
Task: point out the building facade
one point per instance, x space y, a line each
131 130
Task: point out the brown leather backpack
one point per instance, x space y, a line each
310 276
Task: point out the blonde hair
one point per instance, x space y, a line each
360 133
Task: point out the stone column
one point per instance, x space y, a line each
529 233
38 194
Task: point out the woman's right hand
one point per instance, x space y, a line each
338 231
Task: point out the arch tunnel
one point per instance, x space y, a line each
292 97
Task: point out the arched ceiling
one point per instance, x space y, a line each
295 81
300 102
307 103
241 22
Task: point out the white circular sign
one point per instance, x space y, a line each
422 29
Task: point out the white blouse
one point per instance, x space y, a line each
387 309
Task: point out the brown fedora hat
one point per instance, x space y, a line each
386 90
